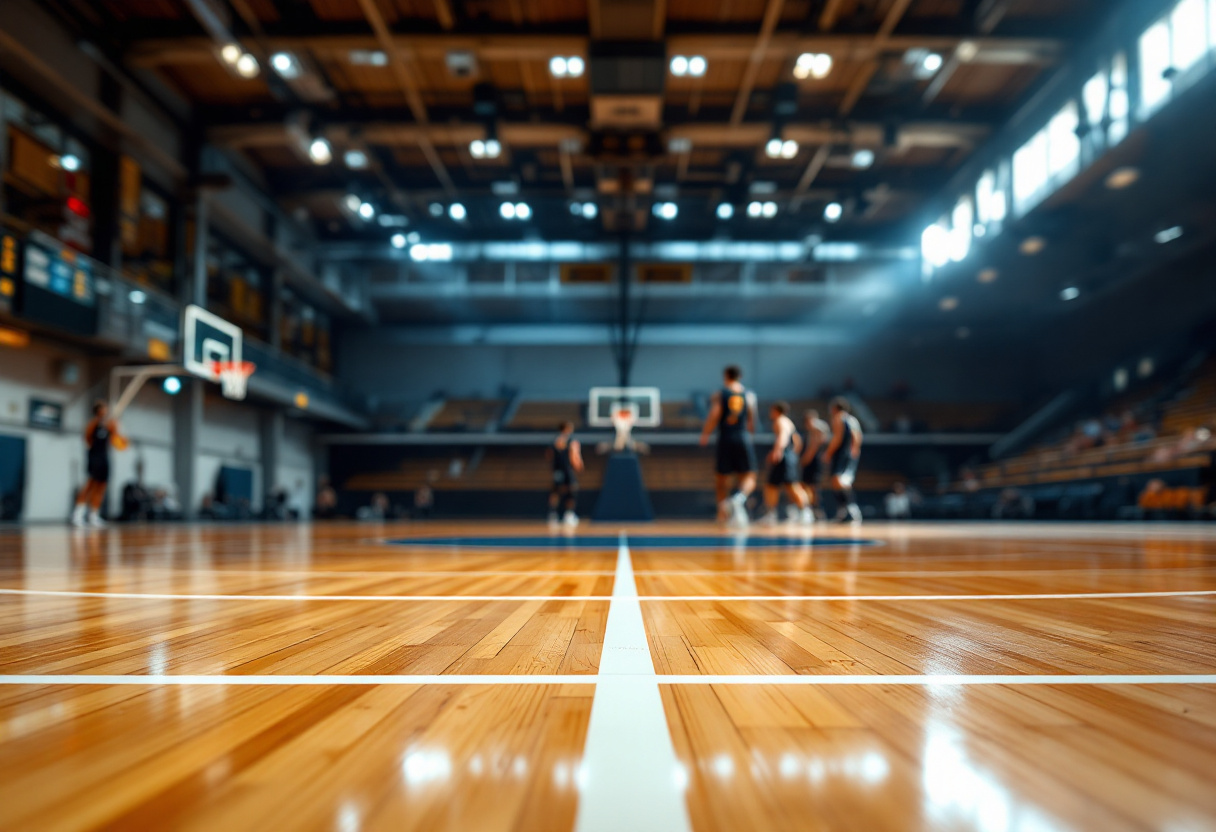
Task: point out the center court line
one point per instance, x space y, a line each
630 778
632 722
164 596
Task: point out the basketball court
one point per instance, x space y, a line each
607 415
661 677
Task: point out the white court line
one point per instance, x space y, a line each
630 778
164 596
638 679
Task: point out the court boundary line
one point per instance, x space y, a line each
167 596
910 680
630 777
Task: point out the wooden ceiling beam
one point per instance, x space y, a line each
881 41
157 52
772 15
412 96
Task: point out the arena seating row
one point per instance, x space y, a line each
1186 440
467 415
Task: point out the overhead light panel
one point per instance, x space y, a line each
368 57
398 241
948 304
1071 293
247 66
1121 178
320 152
561 66
367 211
697 66
485 149
1168 235
1032 246
590 210
523 211
435 209
352 203
355 159
863 158
775 148
931 62
754 209
230 53
833 211
725 211
817 65
679 66
768 210
137 297
68 161
457 211
665 210
286 65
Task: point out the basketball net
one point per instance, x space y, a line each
234 377
623 418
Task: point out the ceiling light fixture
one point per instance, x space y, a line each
457 211
355 159
286 65
815 65
1121 178
1071 293
863 158
320 152
247 66
725 211
833 211
1168 235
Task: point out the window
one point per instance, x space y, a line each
989 200
1029 171
1154 65
1063 146
1094 95
962 223
1119 103
1188 34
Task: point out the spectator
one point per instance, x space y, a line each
326 506
898 502
970 482
1013 505
378 510
424 500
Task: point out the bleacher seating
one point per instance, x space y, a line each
941 417
1179 446
546 416
467 415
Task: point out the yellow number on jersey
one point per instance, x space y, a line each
734 409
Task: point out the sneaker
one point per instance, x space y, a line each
769 519
793 514
738 510
571 519
808 517
79 520
96 522
553 518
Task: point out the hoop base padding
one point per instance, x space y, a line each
623 495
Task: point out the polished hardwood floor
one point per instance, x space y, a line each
342 677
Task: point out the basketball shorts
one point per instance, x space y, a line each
844 467
564 480
813 471
99 470
736 458
784 472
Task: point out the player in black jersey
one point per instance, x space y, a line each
783 468
566 454
843 454
817 436
98 434
732 414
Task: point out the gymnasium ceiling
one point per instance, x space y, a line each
413 82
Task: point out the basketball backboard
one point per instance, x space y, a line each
643 400
206 339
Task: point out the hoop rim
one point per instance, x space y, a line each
245 368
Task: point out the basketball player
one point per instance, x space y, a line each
817 436
843 453
732 413
566 454
98 434
783 468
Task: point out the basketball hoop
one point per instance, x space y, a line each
623 418
234 377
